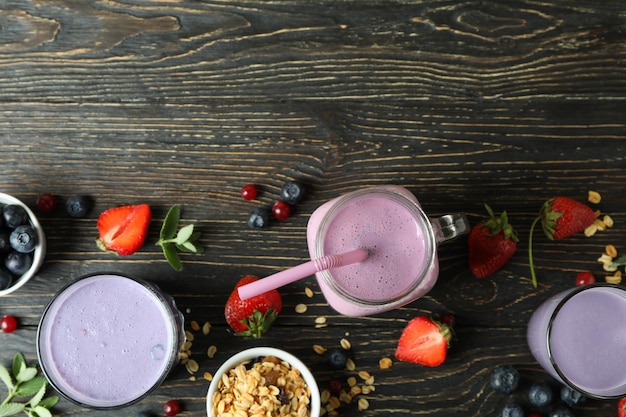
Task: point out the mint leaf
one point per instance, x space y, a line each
49 402
31 387
184 234
19 363
6 378
26 374
10 409
170 223
169 250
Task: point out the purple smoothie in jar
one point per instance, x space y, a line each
107 341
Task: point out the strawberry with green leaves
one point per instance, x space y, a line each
491 243
424 341
123 229
560 217
254 316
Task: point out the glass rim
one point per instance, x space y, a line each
175 317
421 219
557 309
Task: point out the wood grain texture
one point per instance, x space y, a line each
464 103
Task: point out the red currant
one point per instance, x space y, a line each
8 324
171 408
335 386
585 278
46 203
281 210
248 192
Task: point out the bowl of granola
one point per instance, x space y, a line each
263 381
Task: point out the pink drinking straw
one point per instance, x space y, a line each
301 271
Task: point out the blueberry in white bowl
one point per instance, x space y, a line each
22 244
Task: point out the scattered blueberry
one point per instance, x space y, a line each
14 215
540 394
337 358
78 206
505 379
513 410
258 218
23 239
561 411
18 263
292 192
6 278
571 397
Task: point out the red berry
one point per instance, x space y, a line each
585 278
171 408
281 210
46 203
248 192
535 415
335 386
8 324
448 319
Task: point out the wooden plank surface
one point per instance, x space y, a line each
508 103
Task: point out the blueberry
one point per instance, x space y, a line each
5 244
78 206
6 278
512 410
258 218
14 215
561 411
571 397
18 263
505 379
540 394
337 358
292 192
23 239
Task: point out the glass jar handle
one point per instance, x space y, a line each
450 226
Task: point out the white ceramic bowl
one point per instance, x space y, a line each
254 353
40 250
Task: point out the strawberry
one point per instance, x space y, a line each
621 407
424 341
560 217
254 316
123 229
491 243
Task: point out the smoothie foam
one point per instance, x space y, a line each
107 340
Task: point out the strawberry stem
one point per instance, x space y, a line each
530 252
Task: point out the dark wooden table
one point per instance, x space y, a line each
464 103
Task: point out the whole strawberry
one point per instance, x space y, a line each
621 407
424 341
560 217
254 316
491 243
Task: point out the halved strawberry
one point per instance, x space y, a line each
424 341
123 229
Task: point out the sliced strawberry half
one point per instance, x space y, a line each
424 341
123 229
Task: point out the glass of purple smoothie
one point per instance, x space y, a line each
401 242
579 337
107 341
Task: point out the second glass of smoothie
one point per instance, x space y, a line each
401 241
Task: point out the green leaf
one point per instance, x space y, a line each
18 363
10 409
188 247
49 402
5 376
40 412
26 374
170 223
169 250
31 387
184 234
